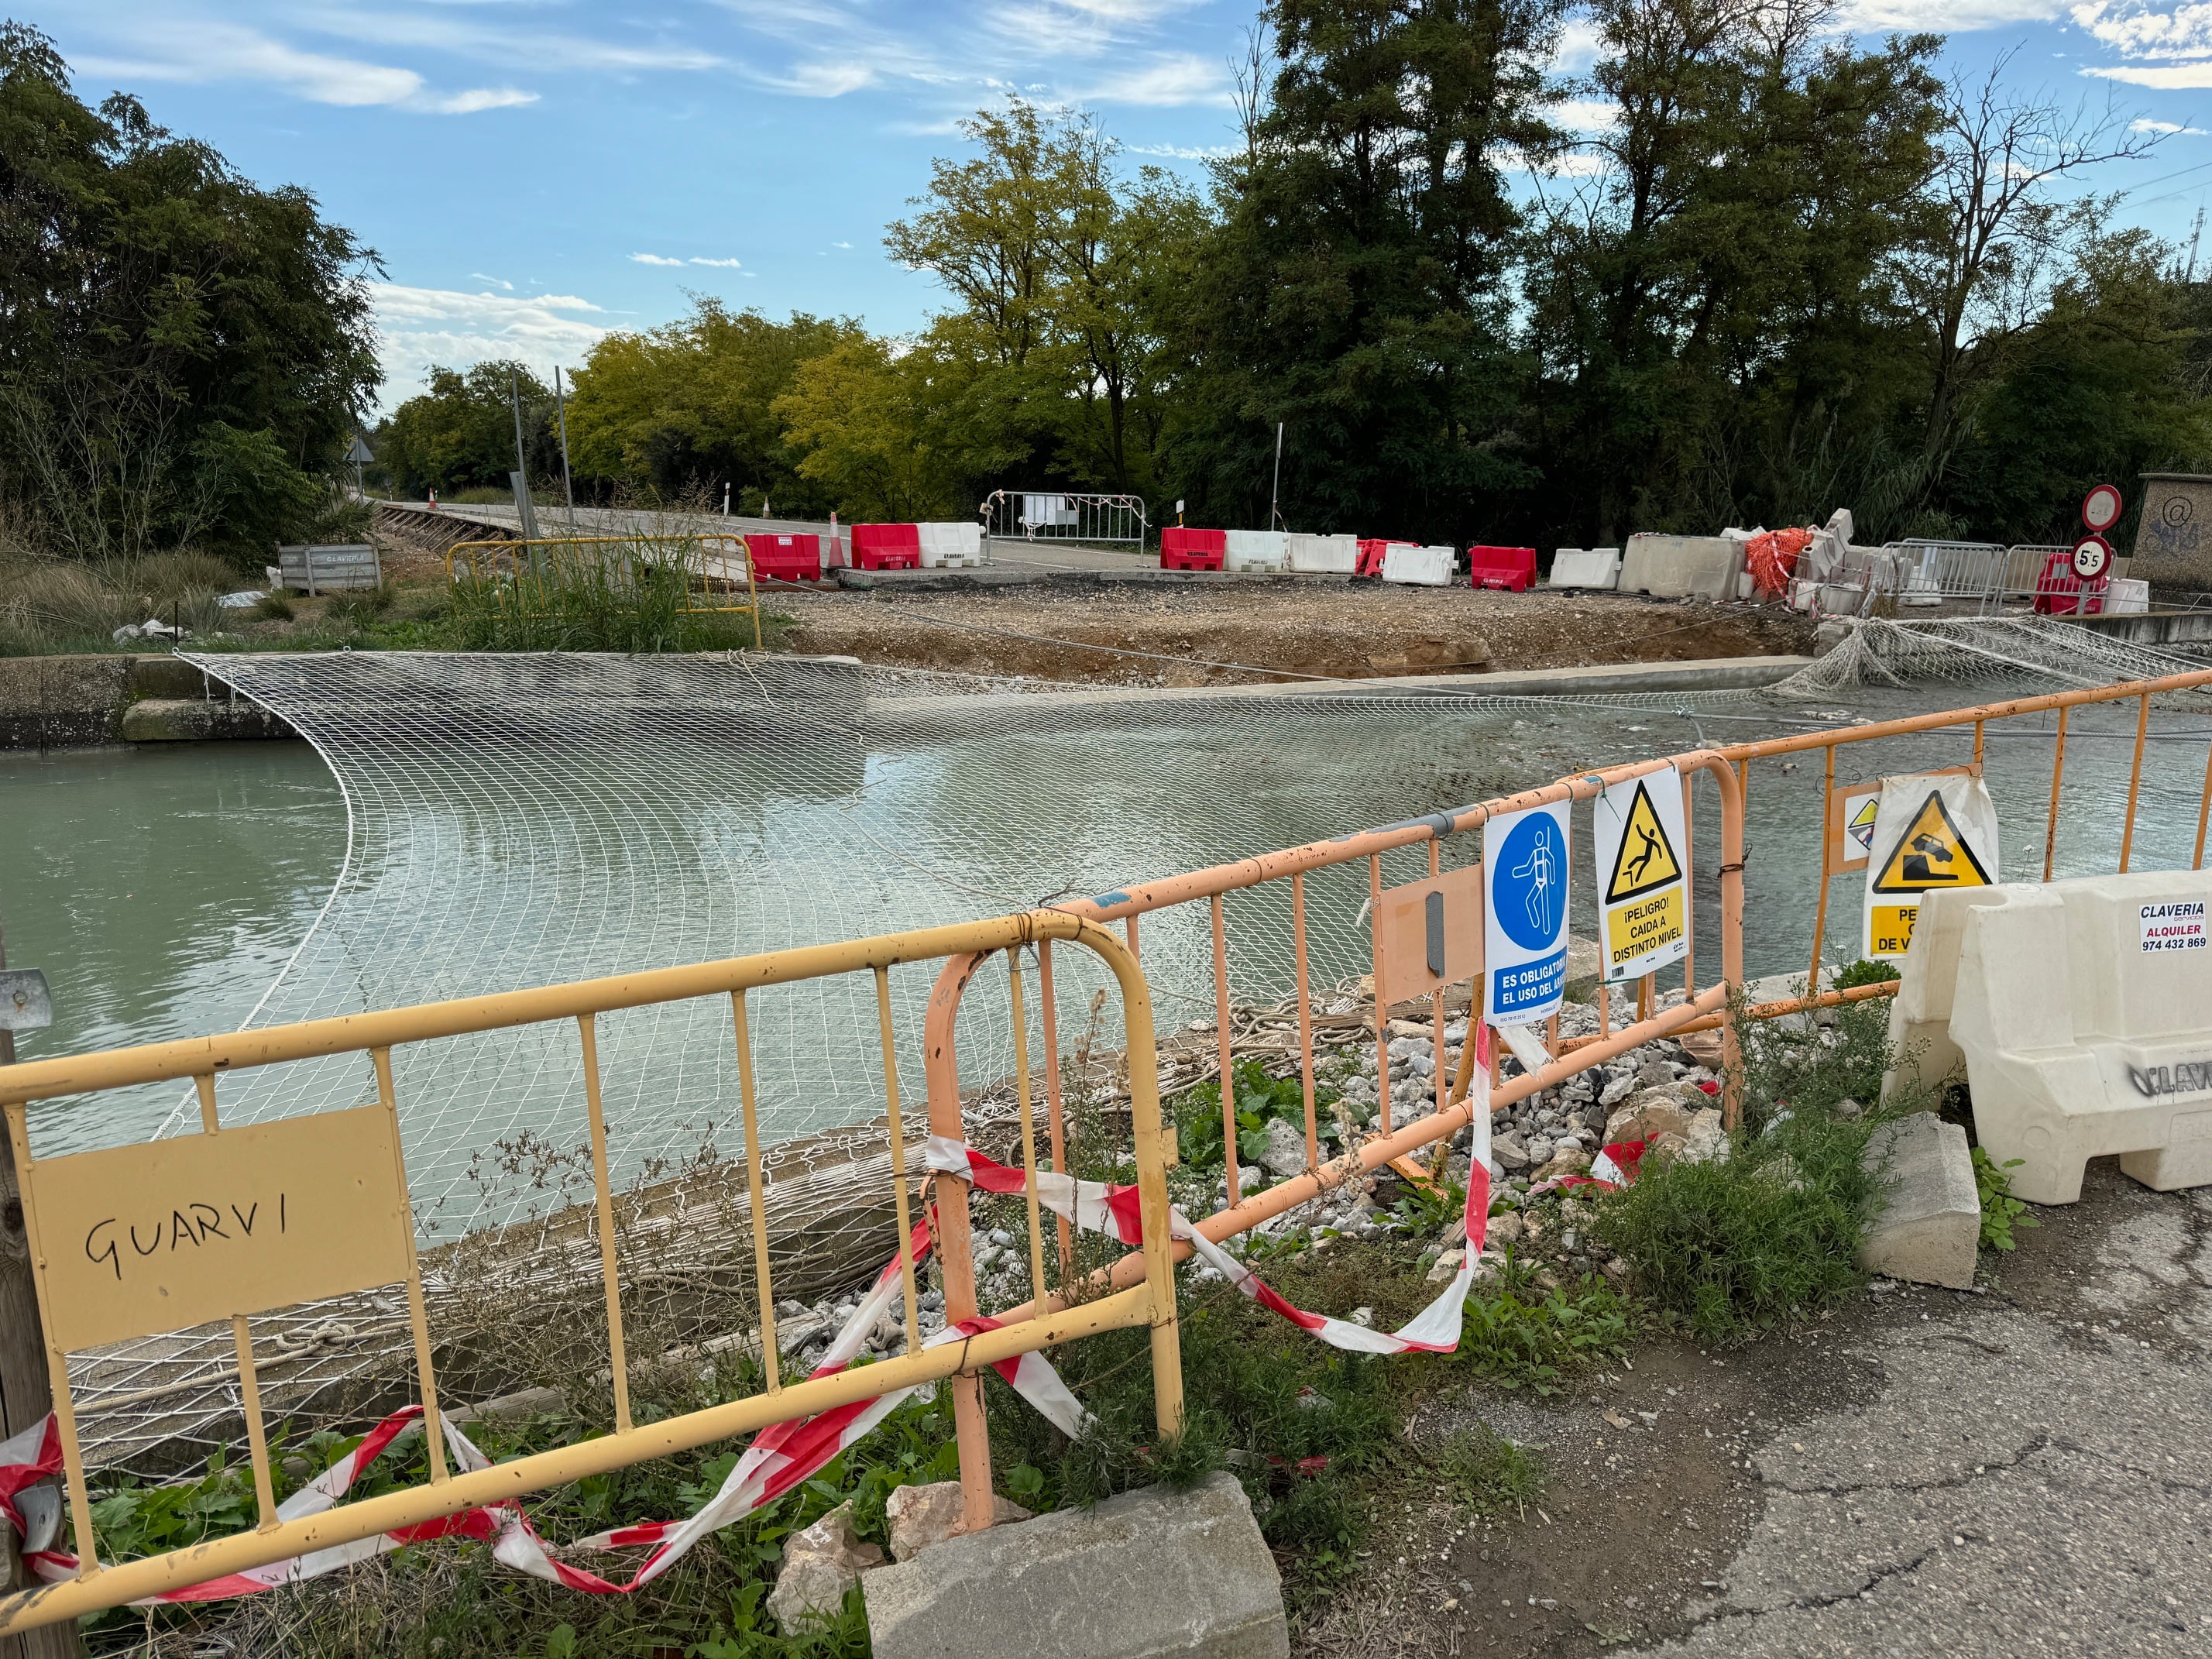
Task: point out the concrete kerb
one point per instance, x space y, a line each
1148 1572
1928 1225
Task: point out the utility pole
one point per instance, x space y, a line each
524 513
1275 493
2196 230
26 1393
568 485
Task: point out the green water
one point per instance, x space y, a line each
162 888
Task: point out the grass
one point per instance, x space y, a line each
451 1599
1771 1235
1489 1474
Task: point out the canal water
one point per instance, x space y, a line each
174 891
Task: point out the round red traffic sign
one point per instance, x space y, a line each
2092 557
2101 508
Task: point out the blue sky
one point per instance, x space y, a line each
535 172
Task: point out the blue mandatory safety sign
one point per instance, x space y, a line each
1527 949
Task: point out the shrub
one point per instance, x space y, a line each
1865 971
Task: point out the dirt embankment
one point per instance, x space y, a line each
1192 635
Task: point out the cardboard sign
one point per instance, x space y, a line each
1643 862
140 1240
1932 833
1428 934
1524 938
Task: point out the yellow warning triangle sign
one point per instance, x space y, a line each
1862 824
1930 853
1645 860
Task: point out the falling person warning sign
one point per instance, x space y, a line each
1643 857
1932 833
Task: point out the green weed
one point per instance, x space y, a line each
1489 1474
1197 1114
2001 1214
1520 1336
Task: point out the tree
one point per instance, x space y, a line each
175 341
458 434
1054 356
1357 286
690 405
1714 313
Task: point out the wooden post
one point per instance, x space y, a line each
25 1395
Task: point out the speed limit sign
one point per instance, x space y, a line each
2100 508
2092 557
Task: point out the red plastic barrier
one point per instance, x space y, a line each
1182 548
795 558
2060 592
1371 552
887 546
1510 569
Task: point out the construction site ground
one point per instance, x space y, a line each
1161 634
2025 1469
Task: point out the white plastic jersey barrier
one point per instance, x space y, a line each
956 545
1586 567
1257 549
1920 1013
2084 1011
1324 555
1679 567
1425 567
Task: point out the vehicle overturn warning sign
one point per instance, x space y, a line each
1643 857
1931 834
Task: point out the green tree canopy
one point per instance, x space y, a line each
183 354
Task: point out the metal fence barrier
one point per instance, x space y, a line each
1055 516
1139 1290
333 1217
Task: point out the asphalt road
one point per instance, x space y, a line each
2032 1476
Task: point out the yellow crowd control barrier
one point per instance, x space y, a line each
317 1205
1139 1290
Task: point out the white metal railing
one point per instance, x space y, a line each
1061 515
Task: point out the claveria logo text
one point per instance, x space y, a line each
2189 1077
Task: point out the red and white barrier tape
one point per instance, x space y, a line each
783 1455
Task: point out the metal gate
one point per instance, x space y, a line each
1059 515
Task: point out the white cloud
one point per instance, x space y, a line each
2167 77
2135 30
1586 114
2167 128
1170 78
419 326
727 264
496 282
1579 47
655 259
841 245
1183 151
1944 16
822 80
209 51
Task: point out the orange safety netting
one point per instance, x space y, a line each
1773 557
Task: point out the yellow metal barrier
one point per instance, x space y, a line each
535 571
317 1205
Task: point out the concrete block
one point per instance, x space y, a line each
1591 567
198 719
2084 1011
1324 555
1681 567
1420 566
1929 1226
923 1515
1257 549
1149 1573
